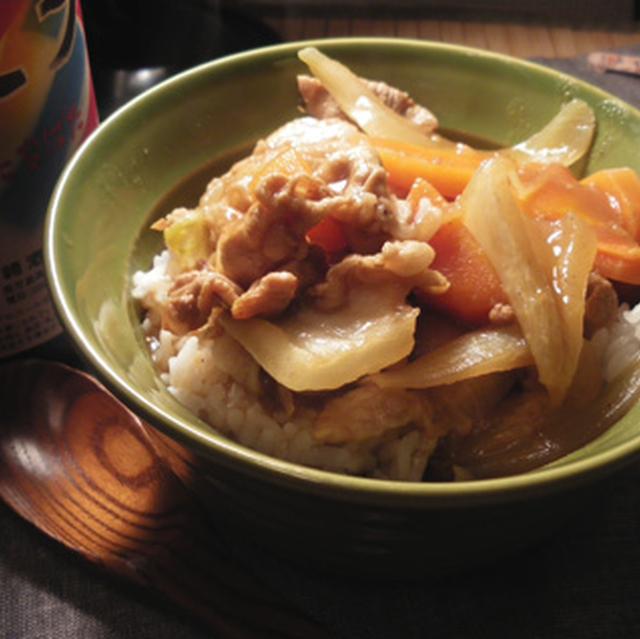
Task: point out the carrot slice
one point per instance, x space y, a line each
553 192
328 235
622 187
447 169
607 201
474 284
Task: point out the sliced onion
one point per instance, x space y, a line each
564 140
543 274
487 350
358 102
314 350
515 441
566 250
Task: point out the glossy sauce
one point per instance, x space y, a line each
494 451
188 191
490 450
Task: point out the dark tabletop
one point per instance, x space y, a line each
582 583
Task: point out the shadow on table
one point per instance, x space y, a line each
581 583
48 591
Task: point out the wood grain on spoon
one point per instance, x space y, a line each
79 466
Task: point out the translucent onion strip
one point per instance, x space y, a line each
314 350
487 350
543 275
567 252
356 100
564 140
507 445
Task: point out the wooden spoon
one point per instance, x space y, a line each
82 468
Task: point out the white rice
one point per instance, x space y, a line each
219 381
155 281
622 342
216 379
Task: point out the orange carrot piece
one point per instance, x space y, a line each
474 284
328 235
622 187
554 192
448 170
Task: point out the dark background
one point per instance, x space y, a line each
581 583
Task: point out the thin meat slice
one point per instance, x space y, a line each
266 297
367 411
193 297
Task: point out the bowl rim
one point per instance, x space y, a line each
213 444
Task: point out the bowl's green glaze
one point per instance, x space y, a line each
96 236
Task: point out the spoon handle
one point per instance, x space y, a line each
81 467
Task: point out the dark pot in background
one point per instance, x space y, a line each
134 44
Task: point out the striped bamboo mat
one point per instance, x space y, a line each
513 38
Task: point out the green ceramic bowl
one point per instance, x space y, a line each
97 235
